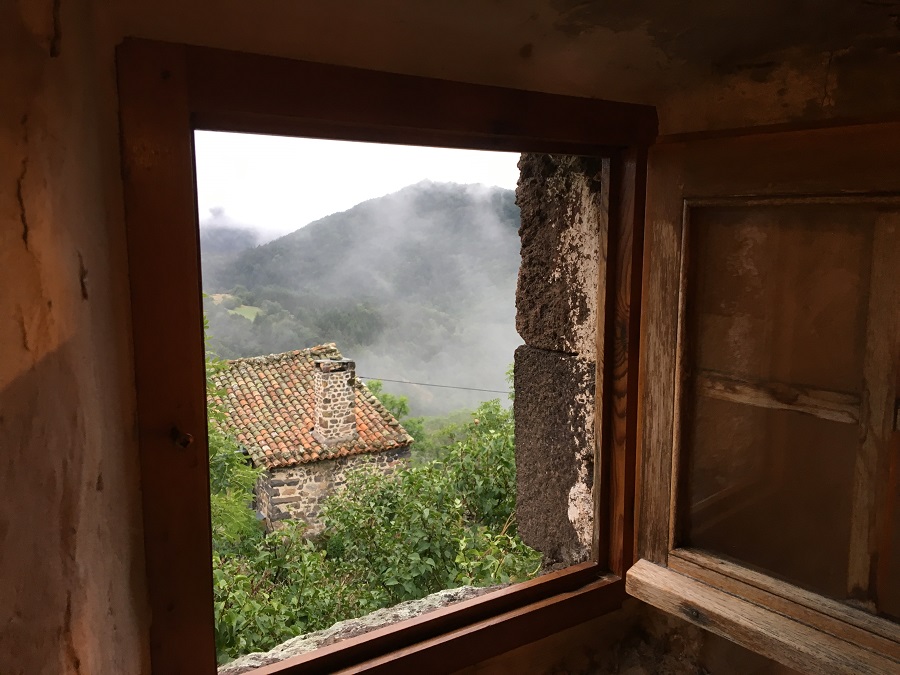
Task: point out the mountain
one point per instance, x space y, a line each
221 240
417 285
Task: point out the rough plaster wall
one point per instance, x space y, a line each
71 575
706 64
563 255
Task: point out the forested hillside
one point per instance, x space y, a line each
416 285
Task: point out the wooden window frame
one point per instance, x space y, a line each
849 164
166 92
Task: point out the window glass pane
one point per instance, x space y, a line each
361 325
775 343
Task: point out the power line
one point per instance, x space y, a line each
440 386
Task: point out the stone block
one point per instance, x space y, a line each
562 230
555 437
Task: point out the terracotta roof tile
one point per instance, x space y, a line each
269 404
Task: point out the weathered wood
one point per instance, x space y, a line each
877 412
604 383
243 92
828 405
659 332
843 161
833 617
622 285
760 629
845 166
167 323
678 492
887 580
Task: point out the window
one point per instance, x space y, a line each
770 446
167 92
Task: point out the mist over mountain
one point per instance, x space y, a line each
221 240
416 285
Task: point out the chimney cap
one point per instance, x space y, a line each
334 365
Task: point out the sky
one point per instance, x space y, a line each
277 184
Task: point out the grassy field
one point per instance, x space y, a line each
246 311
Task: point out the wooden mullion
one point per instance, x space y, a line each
880 368
167 321
628 173
659 337
604 388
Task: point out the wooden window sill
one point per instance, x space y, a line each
797 640
466 633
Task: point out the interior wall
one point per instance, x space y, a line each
706 64
72 597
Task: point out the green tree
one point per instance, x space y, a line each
398 406
231 477
388 538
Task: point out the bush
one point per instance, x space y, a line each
387 538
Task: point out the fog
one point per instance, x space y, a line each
417 285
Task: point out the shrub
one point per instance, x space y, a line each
387 538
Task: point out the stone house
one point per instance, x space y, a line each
305 418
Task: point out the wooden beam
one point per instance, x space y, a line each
762 630
167 324
828 405
627 186
659 336
249 92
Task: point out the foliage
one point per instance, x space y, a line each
443 524
432 435
231 478
397 405
388 538
280 586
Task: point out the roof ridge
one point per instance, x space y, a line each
281 356
269 404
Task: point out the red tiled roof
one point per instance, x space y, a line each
269 404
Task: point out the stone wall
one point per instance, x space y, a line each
299 492
335 401
563 256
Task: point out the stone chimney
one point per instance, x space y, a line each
335 401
